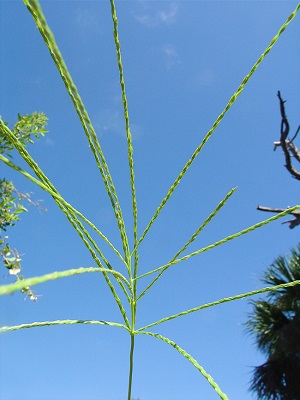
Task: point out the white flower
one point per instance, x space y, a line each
15 270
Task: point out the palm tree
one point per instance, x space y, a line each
275 323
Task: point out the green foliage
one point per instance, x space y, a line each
282 271
10 209
25 128
11 201
10 204
129 257
275 323
277 379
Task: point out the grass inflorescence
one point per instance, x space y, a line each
128 256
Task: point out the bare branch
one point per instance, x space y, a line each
289 150
287 145
295 152
293 222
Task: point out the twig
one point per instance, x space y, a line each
293 222
287 145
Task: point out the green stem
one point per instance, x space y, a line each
130 365
60 322
21 284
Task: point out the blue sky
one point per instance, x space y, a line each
182 62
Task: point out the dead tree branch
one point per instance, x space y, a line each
293 222
289 150
288 147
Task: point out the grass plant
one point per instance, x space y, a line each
129 257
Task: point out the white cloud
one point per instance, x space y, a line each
86 20
152 18
146 20
169 51
169 16
111 121
171 56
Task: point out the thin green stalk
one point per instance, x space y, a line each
192 238
133 283
60 322
218 302
205 223
40 20
216 123
132 337
128 133
195 363
21 284
222 241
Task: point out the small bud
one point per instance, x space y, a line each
33 297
